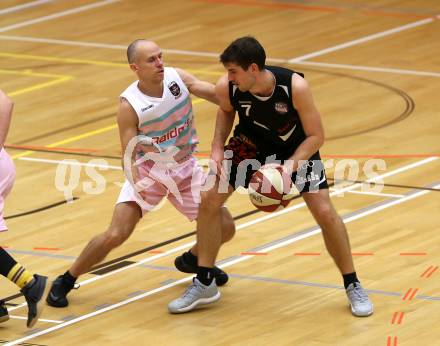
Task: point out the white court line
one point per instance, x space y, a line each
101 45
362 40
17 307
227 264
253 222
389 204
216 55
186 279
71 162
57 15
40 319
371 193
63 42
115 46
98 312
349 188
260 219
369 68
145 260
23 6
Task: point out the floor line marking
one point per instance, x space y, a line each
268 248
56 80
57 15
372 193
432 272
202 54
40 319
70 162
267 217
82 136
362 40
370 68
23 6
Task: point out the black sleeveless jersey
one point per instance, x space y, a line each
272 123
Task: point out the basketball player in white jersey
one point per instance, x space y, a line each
31 285
155 121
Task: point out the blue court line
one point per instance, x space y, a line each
300 283
101 306
136 293
41 254
316 227
68 318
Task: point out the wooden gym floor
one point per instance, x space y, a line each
374 70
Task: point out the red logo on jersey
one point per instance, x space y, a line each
172 133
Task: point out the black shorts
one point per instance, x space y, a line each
310 175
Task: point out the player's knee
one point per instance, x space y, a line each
228 232
114 237
325 214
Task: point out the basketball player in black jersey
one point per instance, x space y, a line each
278 120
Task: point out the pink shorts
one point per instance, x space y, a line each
180 184
7 177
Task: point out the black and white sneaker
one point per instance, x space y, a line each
33 293
184 266
4 315
57 296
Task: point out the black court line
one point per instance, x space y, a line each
51 151
409 102
95 269
67 128
183 236
119 158
141 251
18 295
156 246
40 209
388 185
115 266
174 283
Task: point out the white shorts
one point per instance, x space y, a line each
180 184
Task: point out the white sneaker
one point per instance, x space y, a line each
196 294
361 305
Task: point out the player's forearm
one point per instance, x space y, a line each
205 91
306 149
130 169
223 127
129 159
6 106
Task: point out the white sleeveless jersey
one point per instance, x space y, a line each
168 120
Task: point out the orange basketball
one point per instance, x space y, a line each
270 189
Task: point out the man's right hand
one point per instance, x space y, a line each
216 161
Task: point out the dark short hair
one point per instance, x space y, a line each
244 51
131 50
